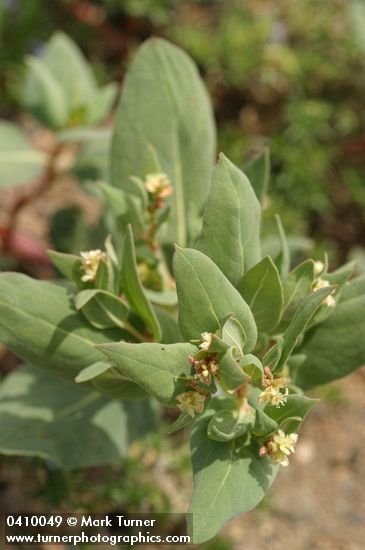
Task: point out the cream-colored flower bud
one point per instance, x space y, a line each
206 341
318 267
90 261
330 301
158 184
323 283
320 283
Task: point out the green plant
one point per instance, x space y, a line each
64 136
280 72
212 328
284 73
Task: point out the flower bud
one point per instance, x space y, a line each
90 261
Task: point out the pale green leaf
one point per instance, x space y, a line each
70 68
102 309
354 289
339 277
252 366
183 420
170 333
300 321
231 222
92 161
289 416
229 479
229 424
283 259
264 425
90 372
258 172
164 104
133 289
166 298
19 162
297 286
39 324
233 334
335 348
101 103
69 265
43 94
73 427
207 298
261 289
231 375
273 354
161 369
83 134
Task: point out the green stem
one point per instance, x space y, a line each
134 332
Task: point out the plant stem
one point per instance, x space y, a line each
150 239
43 184
134 332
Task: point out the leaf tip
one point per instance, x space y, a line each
222 158
102 347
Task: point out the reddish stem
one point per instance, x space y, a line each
25 199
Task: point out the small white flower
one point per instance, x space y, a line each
278 398
272 387
323 283
330 301
273 396
320 283
90 261
280 446
158 184
206 341
318 267
191 402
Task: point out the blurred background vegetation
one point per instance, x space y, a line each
288 74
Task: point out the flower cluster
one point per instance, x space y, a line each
205 368
159 186
272 389
279 447
191 402
90 261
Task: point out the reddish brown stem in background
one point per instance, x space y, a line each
43 184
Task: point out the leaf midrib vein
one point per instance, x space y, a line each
204 290
179 188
